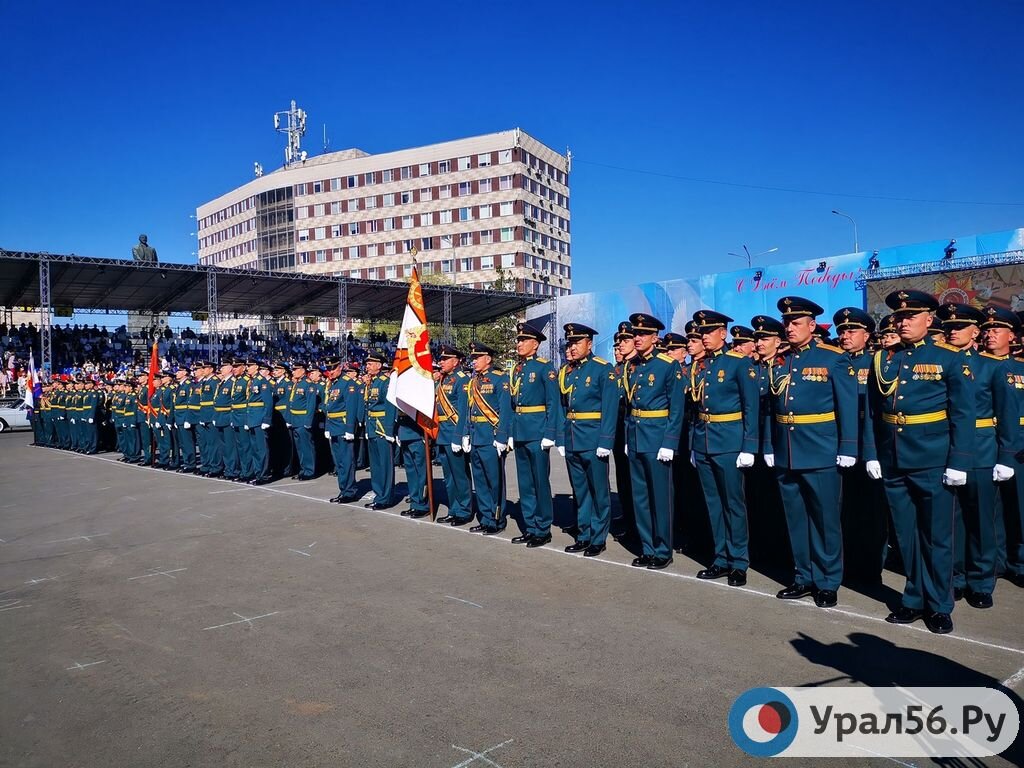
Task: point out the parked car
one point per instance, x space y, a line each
14 416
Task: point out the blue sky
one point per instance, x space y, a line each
121 120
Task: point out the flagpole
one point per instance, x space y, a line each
430 477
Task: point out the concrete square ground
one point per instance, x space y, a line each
155 619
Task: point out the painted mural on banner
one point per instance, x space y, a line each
1002 286
832 281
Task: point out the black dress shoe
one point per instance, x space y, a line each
405 512
939 623
714 572
490 530
445 519
579 546
294 477
594 550
642 562
737 578
904 616
336 500
455 522
304 477
477 528
522 539
826 598
538 541
795 592
658 563
958 593
979 599
416 514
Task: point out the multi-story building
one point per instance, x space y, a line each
466 207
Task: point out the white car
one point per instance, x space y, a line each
14 415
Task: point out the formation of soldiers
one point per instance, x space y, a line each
905 437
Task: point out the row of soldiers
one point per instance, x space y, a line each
918 418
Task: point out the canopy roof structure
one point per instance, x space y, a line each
80 283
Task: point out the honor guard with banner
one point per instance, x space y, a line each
452 414
653 386
589 392
726 399
812 421
342 401
485 437
921 442
536 421
380 432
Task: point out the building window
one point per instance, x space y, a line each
508 260
465 265
335 230
407 270
505 182
507 234
483 160
387 175
390 249
300 189
407 222
389 223
426 219
303 235
446 217
391 272
353 205
335 207
427 243
335 185
444 191
406 171
444 166
354 273
465 188
353 228
406 198
321 257
351 182
371 202
370 178
485 185
318 187
426 194
465 238
353 252
428 268
486 262
487 237
389 199
302 212
408 245
446 266
371 225
485 211
504 156
464 164
424 169
465 214
446 242
318 209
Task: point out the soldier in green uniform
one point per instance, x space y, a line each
999 340
260 416
726 399
211 448
222 402
89 412
654 391
536 421
59 411
812 421
129 421
163 402
342 401
238 467
743 340
624 525
380 418
452 412
186 411
282 450
485 437
302 401
921 442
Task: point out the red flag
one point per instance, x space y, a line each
411 388
154 367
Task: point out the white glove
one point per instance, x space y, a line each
202 423
625 449
467 444
264 426
1001 472
603 453
389 438
327 434
745 460
156 424
511 443
665 455
546 444
349 436
72 421
954 477
693 458
561 451
245 427
769 459
874 470
186 425
500 447
845 461
456 448
90 421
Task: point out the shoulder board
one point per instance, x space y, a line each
499 371
543 360
731 353
944 345
993 357
600 360
666 358
460 374
830 348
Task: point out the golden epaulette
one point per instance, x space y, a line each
944 345
498 371
601 360
461 374
990 356
543 360
830 348
734 353
666 358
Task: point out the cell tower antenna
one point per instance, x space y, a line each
295 126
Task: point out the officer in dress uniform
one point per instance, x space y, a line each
379 423
999 339
726 399
239 425
259 417
654 392
623 526
301 402
342 398
589 391
186 414
976 553
169 453
485 437
536 421
692 517
675 347
90 417
813 427
222 421
413 452
921 412
452 414
211 447
865 517
743 340
282 453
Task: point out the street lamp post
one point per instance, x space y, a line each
748 258
856 242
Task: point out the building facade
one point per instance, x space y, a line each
466 208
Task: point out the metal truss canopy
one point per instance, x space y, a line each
117 285
941 265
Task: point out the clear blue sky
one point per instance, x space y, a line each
120 120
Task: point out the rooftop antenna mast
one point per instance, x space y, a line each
295 126
327 142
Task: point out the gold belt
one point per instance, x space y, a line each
642 414
531 408
717 418
804 418
919 418
255 405
299 413
337 415
238 405
375 414
480 420
218 409
982 423
441 418
583 415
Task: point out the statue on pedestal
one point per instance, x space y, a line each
144 251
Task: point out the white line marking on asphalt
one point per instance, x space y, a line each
482 756
299 552
884 757
594 560
242 620
12 604
45 578
3 541
89 538
229 490
104 488
310 546
467 602
1013 679
208 517
83 666
156 572
132 498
